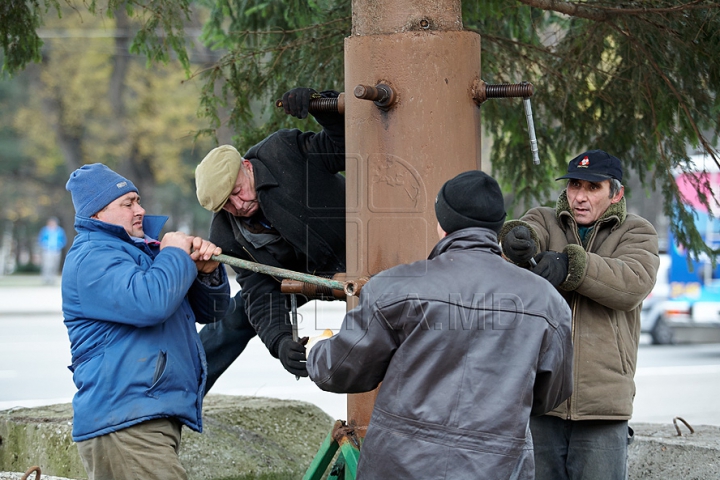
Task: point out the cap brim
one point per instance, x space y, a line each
588 176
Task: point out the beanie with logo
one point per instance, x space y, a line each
94 186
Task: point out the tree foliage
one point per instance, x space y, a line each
636 78
90 100
160 30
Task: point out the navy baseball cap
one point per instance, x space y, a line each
594 166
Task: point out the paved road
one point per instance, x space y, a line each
35 353
679 380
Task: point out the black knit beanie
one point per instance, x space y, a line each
472 199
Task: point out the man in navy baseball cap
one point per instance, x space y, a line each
604 261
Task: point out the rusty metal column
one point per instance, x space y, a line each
401 151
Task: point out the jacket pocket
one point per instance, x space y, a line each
94 351
159 367
620 347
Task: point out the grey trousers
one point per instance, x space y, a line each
575 450
146 450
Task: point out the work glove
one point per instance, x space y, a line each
518 245
552 266
297 101
292 357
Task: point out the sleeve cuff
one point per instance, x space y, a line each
577 264
212 279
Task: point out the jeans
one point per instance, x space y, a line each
50 266
574 450
225 340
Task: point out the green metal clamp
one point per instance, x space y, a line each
343 438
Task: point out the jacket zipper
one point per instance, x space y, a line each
575 369
572 326
591 240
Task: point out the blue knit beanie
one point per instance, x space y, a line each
95 186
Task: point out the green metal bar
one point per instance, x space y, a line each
279 272
322 459
351 454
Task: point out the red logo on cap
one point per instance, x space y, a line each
585 162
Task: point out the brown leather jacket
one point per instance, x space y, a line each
607 281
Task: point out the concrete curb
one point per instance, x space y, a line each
255 437
658 453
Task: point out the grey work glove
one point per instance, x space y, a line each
292 357
518 245
552 266
297 101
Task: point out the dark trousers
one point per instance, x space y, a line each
574 450
225 340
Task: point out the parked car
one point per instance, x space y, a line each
695 318
652 316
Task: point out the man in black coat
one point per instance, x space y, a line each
281 204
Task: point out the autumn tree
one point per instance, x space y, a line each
89 99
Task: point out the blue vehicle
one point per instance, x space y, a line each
687 310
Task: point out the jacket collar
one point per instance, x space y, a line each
617 212
263 177
152 225
465 239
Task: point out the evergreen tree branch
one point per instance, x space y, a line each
599 13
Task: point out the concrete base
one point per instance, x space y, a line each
255 437
658 453
244 438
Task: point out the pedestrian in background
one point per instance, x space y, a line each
467 346
604 261
130 304
52 240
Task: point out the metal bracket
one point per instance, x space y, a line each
677 428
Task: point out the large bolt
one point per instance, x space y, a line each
482 91
323 105
381 94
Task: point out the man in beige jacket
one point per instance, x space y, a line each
604 261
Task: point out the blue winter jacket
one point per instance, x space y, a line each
130 310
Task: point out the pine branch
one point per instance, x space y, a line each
599 13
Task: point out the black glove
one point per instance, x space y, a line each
518 245
552 266
297 101
292 357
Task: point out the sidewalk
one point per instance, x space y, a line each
26 294
22 280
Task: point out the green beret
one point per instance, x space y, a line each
216 175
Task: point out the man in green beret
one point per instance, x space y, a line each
281 204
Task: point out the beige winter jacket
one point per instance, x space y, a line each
607 281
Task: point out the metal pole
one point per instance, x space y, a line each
350 287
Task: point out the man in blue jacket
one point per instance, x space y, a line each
130 304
